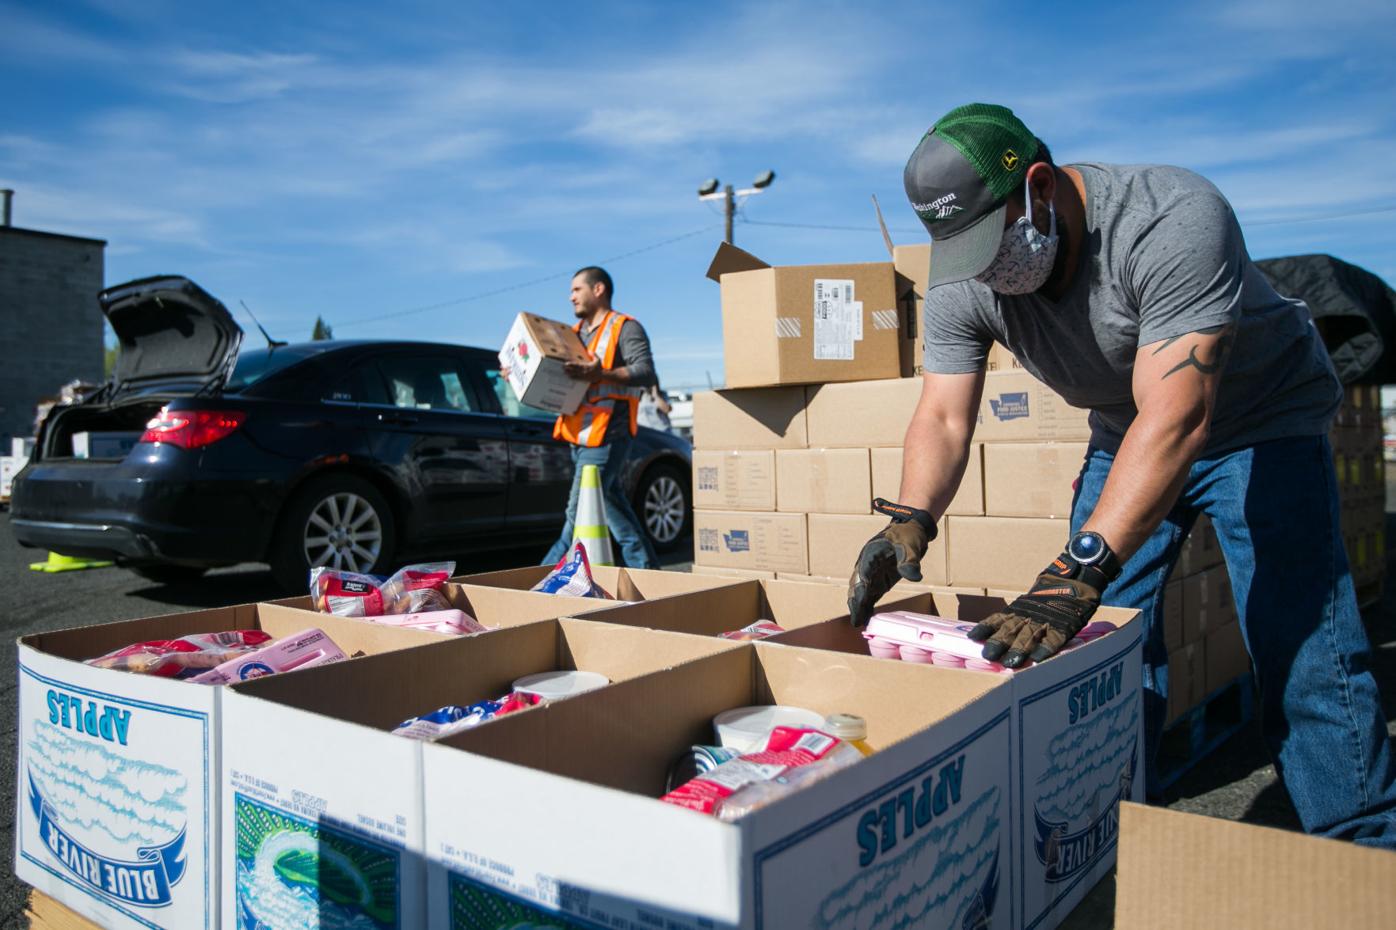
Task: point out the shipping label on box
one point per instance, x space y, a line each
734 480
806 324
764 541
534 353
823 481
1017 407
1031 479
968 499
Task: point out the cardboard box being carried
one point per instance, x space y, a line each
316 773
534 353
118 772
1180 870
805 324
973 807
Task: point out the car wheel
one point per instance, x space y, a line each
664 506
340 522
169 574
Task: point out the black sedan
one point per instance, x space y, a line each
354 454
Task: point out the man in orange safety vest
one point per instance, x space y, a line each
601 429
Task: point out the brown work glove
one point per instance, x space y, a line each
892 554
1037 625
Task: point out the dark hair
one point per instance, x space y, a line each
598 275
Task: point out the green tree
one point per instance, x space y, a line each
322 330
109 360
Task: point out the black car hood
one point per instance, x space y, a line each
174 336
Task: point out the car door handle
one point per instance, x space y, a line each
397 419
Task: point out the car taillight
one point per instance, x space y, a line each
192 429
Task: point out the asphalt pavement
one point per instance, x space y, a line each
1236 783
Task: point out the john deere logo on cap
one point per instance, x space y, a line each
1010 159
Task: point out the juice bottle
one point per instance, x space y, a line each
851 729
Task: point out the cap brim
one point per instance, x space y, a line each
968 252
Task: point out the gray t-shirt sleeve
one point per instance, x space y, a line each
1187 267
635 354
956 341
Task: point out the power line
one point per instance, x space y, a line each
825 226
524 284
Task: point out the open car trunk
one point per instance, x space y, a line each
176 340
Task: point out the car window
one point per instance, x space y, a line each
510 403
426 383
363 385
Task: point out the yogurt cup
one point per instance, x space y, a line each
746 729
551 686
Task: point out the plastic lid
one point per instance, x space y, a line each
846 726
553 685
747 728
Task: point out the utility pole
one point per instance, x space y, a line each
709 191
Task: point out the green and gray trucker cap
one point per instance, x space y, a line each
958 180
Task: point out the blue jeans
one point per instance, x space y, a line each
1275 509
625 526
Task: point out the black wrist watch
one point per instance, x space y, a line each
1090 550
900 513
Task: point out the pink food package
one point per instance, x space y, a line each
435 621
752 631
305 649
787 747
183 657
922 638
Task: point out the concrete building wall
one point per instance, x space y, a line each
50 323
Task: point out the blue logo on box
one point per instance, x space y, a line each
1010 406
737 541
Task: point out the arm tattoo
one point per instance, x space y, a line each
1206 366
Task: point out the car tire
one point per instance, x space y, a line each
170 574
339 521
665 506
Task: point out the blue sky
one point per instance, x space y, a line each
364 161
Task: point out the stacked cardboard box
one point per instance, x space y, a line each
1200 627
1357 441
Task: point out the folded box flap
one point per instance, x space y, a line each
730 259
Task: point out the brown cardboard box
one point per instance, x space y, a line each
823 481
913 264
806 324
1187 679
738 479
968 500
1179 870
763 541
836 539
1016 407
1227 658
764 418
625 584
1207 603
745 574
1173 615
866 414
1002 552
47 914
1031 479
534 354
902 587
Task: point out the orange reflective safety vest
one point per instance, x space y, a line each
587 427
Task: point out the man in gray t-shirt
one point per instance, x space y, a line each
1128 290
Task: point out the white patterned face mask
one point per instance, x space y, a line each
1024 261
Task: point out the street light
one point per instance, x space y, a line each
708 190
